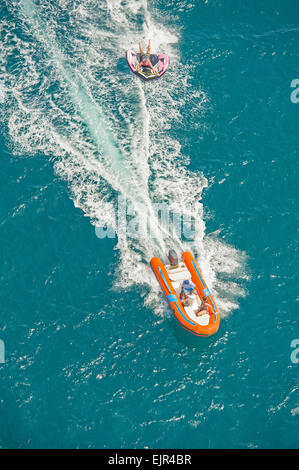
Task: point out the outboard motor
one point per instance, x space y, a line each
173 258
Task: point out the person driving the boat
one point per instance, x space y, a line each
145 58
204 309
188 288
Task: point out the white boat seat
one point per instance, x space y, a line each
172 268
179 275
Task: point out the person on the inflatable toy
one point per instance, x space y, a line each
145 58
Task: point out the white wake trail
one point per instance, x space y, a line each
71 96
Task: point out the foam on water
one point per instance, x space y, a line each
111 137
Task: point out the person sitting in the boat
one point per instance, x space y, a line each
188 288
204 309
145 58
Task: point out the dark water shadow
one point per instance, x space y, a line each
191 341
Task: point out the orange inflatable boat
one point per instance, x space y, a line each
171 278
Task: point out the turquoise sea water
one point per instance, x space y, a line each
93 357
